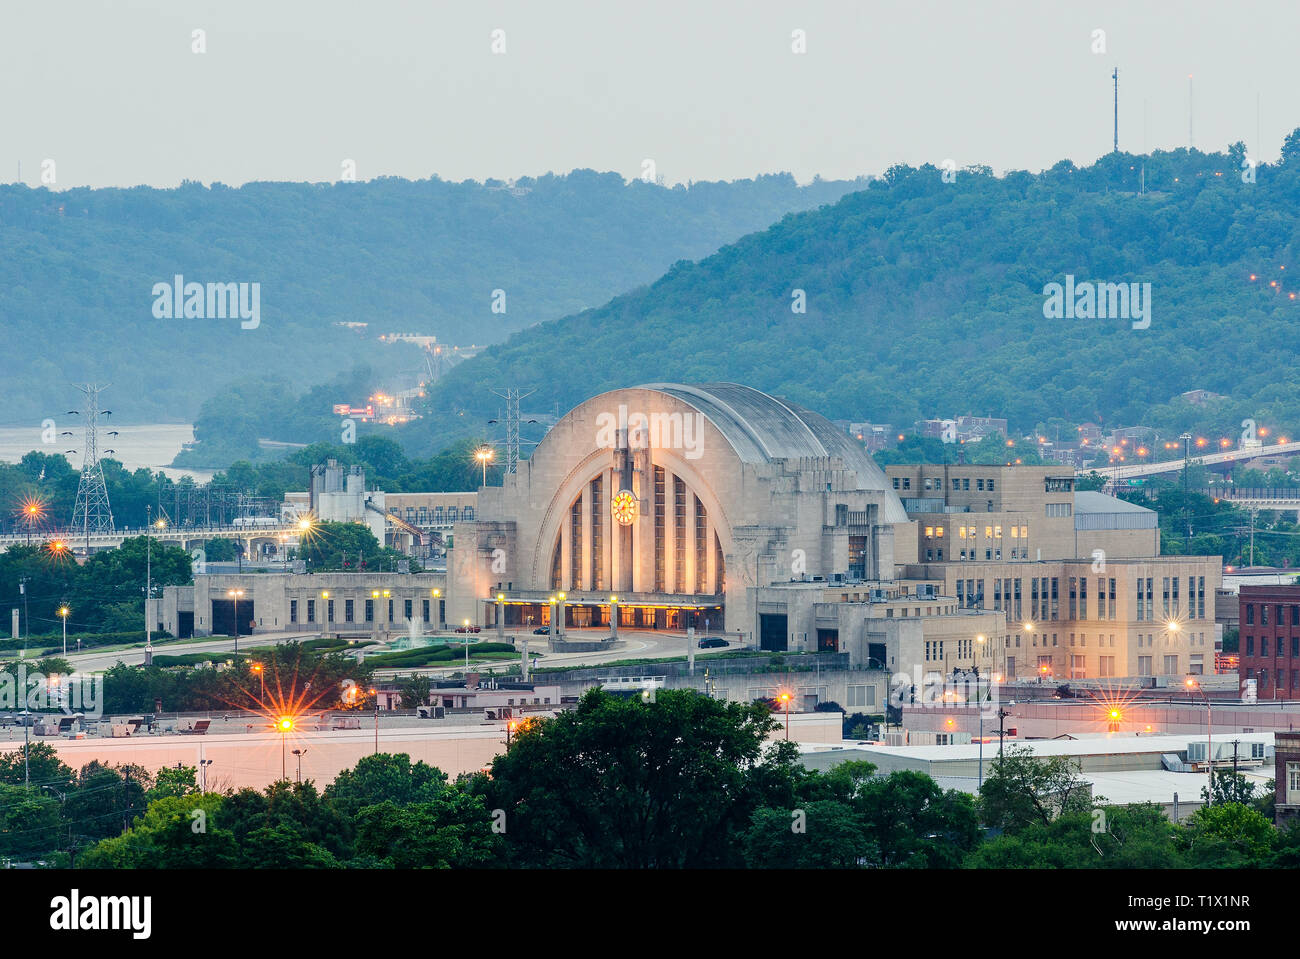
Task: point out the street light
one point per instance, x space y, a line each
467 654
285 726
299 754
235 594
561 597
63 612
261 676
484 455
1209 738
785 701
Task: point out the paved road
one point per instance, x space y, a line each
635 644
93 661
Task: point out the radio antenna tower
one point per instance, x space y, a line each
1115 76
92 514
512 398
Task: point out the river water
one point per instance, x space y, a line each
151 445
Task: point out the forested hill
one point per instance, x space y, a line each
77 270
926 297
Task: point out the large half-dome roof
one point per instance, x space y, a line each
762 428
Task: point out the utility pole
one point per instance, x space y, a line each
1002 715
1187 518
27 626
148 573
1115 76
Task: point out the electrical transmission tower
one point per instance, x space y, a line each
92 514
512 398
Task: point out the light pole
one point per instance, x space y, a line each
235 594
785 700
466 624
484 456
550 623
148 572
63 614
979 708
376 695
1209 739
203 773
613 616
261 676
299 754
501 616
285 725
562 609
27 772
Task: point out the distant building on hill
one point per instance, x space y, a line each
963 429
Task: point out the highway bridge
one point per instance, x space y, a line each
189 537
1119 474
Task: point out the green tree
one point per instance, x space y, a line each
219 550
1227 835
385 777
1022 789
828 834
618 782
29 822
415 690
43 762
174 782
453 831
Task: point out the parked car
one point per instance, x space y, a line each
542 631
711 642
469 629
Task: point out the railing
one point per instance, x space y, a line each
1237 492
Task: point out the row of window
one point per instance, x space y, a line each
958 484
1143 642
1278 617
420 516
1078 666
1279 646
972 532
349 610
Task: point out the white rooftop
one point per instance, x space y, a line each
1084 744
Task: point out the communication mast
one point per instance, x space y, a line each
92 513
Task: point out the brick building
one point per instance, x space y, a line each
1270 639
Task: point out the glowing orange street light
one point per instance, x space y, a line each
63 614
484 455
285 725
785 701
257 668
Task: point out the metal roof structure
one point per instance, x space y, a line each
762 429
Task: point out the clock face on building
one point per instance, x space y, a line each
623 506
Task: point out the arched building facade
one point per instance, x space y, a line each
681 501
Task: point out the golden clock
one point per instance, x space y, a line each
623 506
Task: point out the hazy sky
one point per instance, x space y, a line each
288 90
